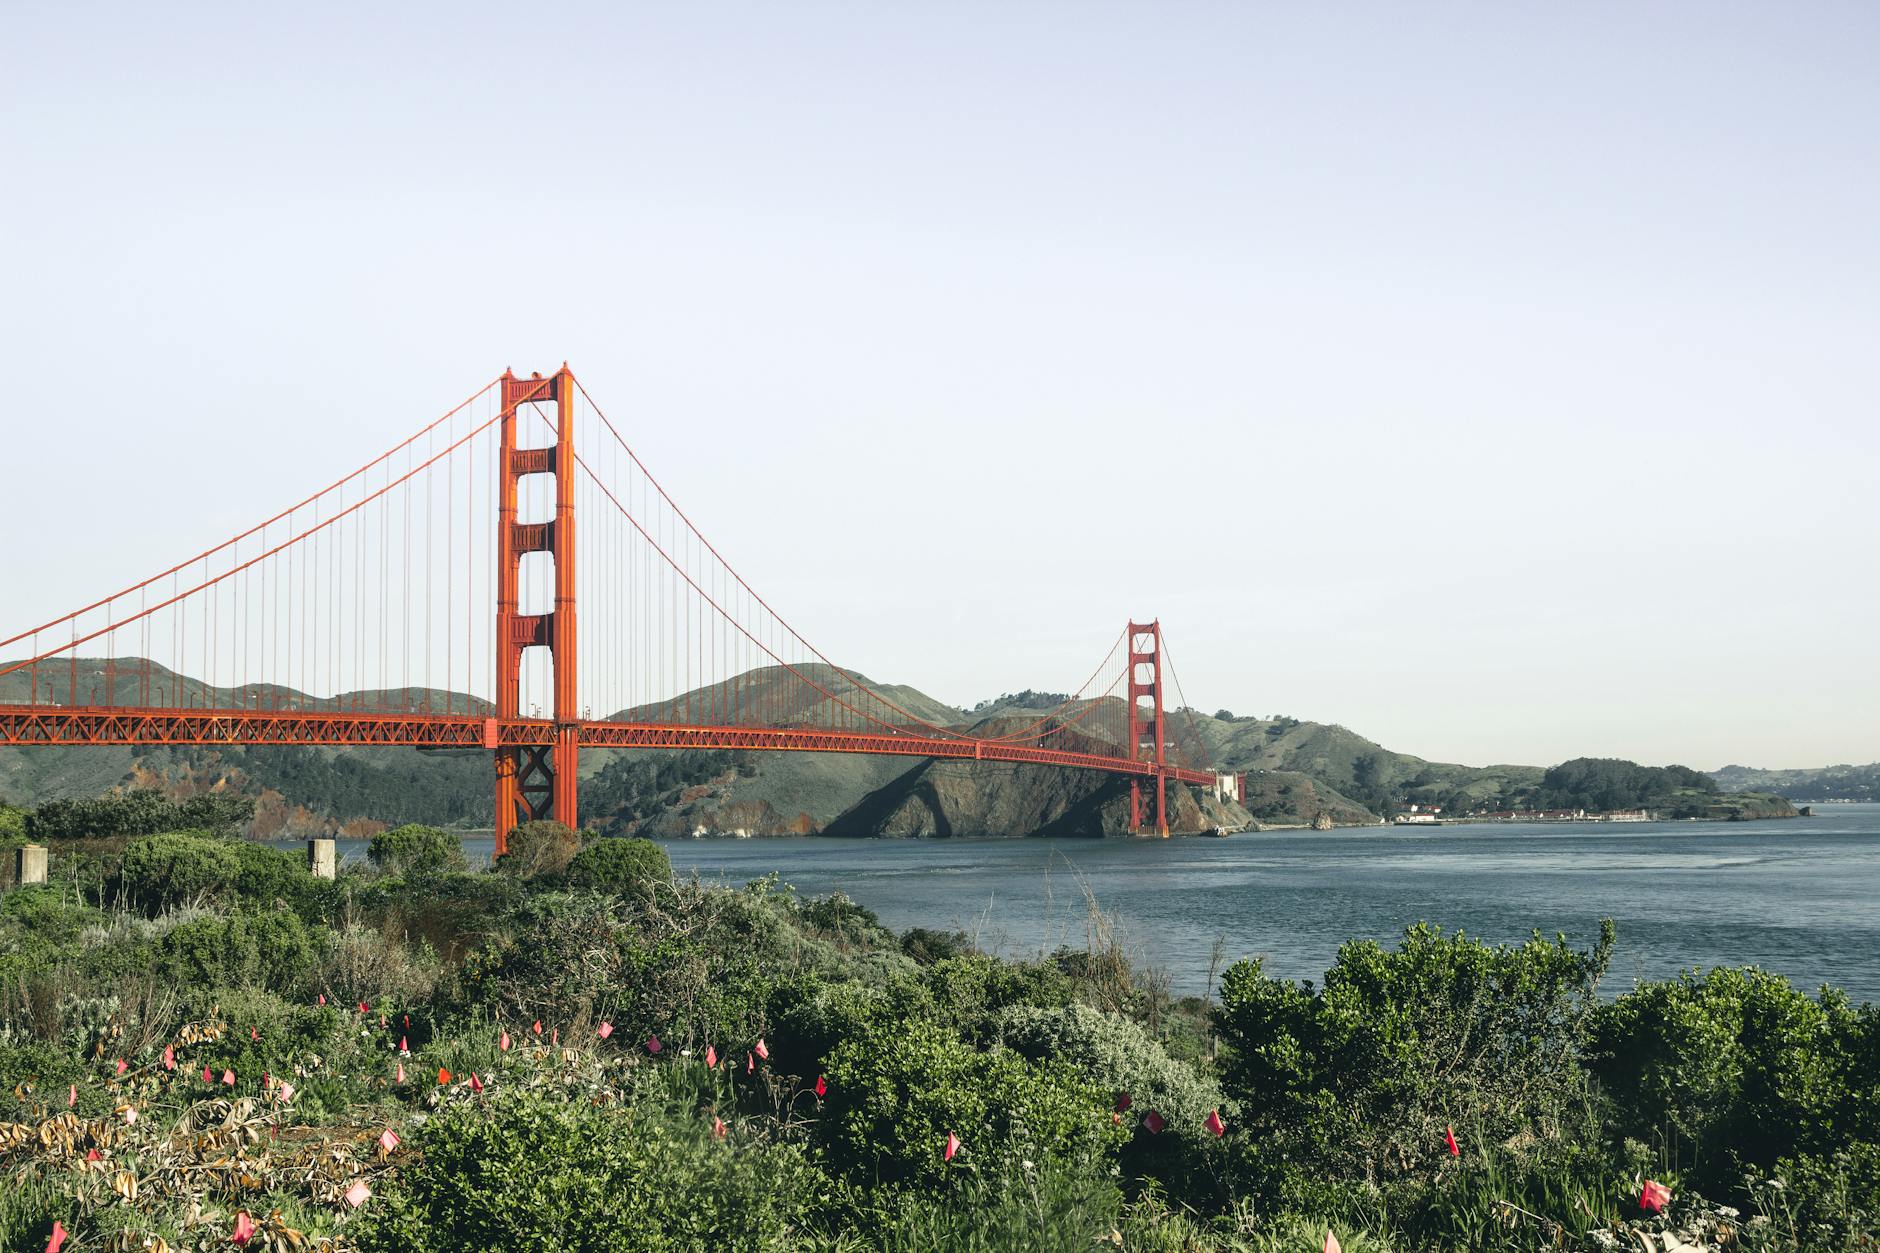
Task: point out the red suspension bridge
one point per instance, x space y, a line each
448 567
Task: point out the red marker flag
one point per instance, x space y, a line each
537 1028
58 1237
1123 1102
476 1084
91 1155
653 1045
1653 1197
322 998
169 1057
208 1076
760 1050
244 1229
952 1147
1331 1243
822 1086
122 1066
364 1008
502 1042
228 1078
604 1030
711 1057
404 1047
388 1140
1214 1123
399 1077
1154 1122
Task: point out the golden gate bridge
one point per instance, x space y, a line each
449 565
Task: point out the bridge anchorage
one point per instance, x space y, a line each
362 616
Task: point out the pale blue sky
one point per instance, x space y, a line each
1498 380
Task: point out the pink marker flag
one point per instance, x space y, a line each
1331 1243
169 1057
71 1097
91 1155
388 1140
750 1064
476 1084
1214 1123
400 1076
1449 1137
404 1046
383 1024
286 1091
606 1029
653 1045
267 1082
208 1076
1154 1122
502 1042
1653 1197
358 1194
228 1078
122 1066
322 998
244 1229
58 1237
822 1086
253 1034
952 1147
1123 1102
554 1036
761 1050
718 1128
711 1057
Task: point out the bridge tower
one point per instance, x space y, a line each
1148 728
535 781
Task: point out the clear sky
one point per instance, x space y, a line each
1501 381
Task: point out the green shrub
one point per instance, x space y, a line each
12 825
271 949
159 872
1731 1070
970 990
525 1173
1362 1076
612 864
896 1092
539 849
415 849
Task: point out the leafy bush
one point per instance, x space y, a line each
1361 1077
272 949
619 863
525 1173
895 1093
160 872
141 812
537 849
414 849
1731 1070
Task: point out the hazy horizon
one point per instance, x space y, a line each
1496 383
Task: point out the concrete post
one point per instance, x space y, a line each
323 858
30 866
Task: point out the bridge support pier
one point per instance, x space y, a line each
1148 726
535 782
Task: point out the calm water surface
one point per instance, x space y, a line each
1798 897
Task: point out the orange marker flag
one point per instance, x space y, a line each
443 1076
711 1057
1331 1243
761 1050
1449 1137
58 1237
1214 1123
1653 1197
952 1147
244 1229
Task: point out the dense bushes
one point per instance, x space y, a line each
271 949
175 868
619 863
415 849
539 850
526 1173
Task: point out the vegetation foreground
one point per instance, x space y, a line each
204 1046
